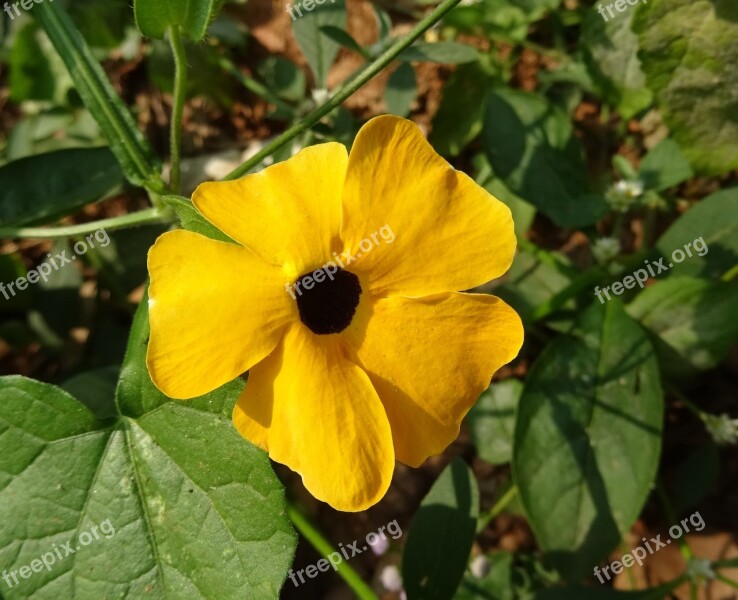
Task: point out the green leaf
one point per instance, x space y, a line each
682 62
451 53
531 145
121 264
127 143
492 421
715 220
523 212
694 320
31 75
441 535
320 50
42 188
401 90
665 166
102 24
610 51
624 167
154 17
384 22
192 220
529 283
283 78
96 390
344 39
460 116
194 508
588 437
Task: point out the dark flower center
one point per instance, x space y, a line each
327 299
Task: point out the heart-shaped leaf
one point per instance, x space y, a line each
165 500
588 437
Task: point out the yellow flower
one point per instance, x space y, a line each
381 359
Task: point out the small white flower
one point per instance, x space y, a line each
480 566
321 96
623 193
700 569
722 429
605 249
391 578
380 546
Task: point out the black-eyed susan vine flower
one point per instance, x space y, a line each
378 362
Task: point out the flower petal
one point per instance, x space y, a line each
430 359
318 413
451 234
289 214
215 311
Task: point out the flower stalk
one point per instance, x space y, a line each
180 88
316 539
347 89
142 217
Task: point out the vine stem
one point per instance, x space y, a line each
142 217
347 89
497 509
180 86
316 539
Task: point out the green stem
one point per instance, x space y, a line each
727 563
348 89
672 518
180 88
688 403
315 538
253 85
143 217
727 580
693 595
498 507
730 274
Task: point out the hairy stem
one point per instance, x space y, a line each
348 89
180 87
143 217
